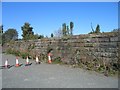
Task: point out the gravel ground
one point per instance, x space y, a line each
51 76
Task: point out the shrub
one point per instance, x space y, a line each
57 60
9 51
16 53
24 55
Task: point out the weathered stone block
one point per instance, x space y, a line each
113 39
89 45
103 40
108 45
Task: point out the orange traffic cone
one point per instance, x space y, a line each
37 60
27 60
6 63
17 63
49 58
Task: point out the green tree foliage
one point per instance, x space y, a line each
36 36
27 31
1 29
10 34
97 29
52 35
71 28
116 30
41 36
1 32
64 31
68 30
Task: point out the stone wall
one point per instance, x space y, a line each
104 48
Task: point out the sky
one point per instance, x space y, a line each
60 0
48 17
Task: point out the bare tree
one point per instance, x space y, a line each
58 33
